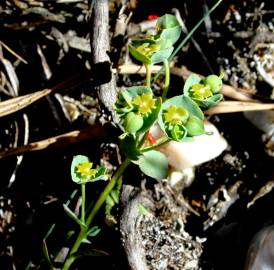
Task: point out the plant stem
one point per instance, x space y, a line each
162 141
148 75
83 204
107 190
95 209
167 79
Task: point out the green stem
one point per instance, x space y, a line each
83 205
95 209
107 190
167 79
148 75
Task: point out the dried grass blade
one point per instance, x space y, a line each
12 75
13 52
15 104
91 132
237 106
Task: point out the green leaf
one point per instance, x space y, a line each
169 28
154 164
193 109
167 21
191 80
171 34
115 194
181 101
178 133
138 42
133 122
161 55
128 146
139 56
164 43
75 162
113 199
209 102
195 126
76 177
73 216
93 231
150 118
123 104
138 90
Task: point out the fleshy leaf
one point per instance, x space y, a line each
195 126
178 101
113 199
169 28
209 102
138 90
171 34
152 117
77 178
133 122
167 21
128 146
178 132
75 162
191 80
154 164
161 55
139 56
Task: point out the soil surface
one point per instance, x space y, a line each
212 224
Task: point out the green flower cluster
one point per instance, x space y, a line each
137 108
180 117
205 92
157 48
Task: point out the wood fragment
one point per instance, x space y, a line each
100 48
131 200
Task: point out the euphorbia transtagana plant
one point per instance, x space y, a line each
138 109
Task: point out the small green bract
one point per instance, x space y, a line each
82 171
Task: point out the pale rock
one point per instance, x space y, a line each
203 148
263 120
185 176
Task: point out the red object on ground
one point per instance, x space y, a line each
152 17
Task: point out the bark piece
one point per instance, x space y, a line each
131 201
100 47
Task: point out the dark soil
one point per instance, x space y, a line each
31 202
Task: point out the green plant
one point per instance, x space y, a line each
138 109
